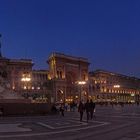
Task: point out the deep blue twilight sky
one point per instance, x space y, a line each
107 32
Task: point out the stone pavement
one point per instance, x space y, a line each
13 128
109 123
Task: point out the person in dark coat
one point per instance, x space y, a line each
81 110
62 109
92 108
53 109
87 108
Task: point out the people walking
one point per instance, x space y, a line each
81 110
92 108
87 108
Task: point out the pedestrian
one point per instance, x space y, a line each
62 109
1 111
92 108
53 109
66 106
81 110
71 106
87 108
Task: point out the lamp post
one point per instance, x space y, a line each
117 87
81 83
26 78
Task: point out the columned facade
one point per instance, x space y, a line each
113 87
67 80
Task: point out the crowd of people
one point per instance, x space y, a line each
88 107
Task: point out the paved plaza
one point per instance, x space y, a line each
109 123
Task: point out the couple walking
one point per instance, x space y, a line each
89 107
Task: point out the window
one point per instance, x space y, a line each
59 74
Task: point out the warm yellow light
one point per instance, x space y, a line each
116 86
81 82
76 96
26 79
132 95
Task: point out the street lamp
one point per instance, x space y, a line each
26 78
117 87
81 83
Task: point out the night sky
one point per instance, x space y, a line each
107 32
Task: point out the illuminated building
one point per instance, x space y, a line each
13 69
113 87
66 71
68 79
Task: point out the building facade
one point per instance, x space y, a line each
67 72
113 87
68 79
41 86
23 80
13 69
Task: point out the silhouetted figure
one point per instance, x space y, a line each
87 108
53 109
72 106
62 110
92 108
1 111
81 110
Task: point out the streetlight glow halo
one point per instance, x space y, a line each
81 82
